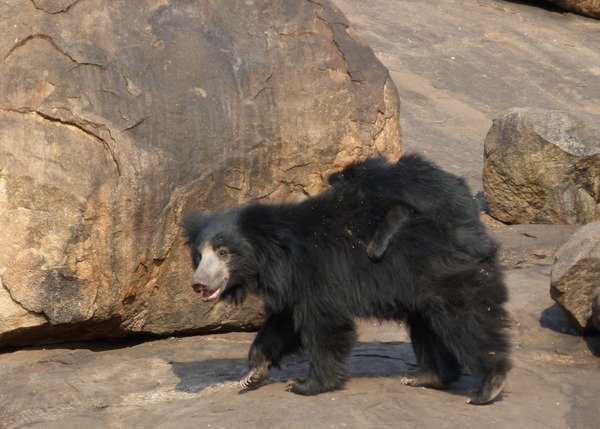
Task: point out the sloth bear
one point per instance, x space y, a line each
396 242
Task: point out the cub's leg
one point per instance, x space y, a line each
387 231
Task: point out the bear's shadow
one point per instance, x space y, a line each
368 359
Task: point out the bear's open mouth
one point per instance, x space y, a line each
207 294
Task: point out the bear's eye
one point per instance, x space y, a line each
196 257
222 252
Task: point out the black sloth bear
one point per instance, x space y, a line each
389 241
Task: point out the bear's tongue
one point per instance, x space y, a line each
208 295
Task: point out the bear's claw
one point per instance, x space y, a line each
255 376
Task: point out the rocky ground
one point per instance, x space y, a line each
457 66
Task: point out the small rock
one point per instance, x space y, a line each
576 276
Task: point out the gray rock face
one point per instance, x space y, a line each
589 8
576 276
543 166
116 118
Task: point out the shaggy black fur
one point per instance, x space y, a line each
314 264
415 188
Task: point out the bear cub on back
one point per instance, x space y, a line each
399 242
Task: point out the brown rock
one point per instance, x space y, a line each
543 166
576 275
116 118
596 309
589 8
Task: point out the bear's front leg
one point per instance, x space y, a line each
327 354
274 340
259 368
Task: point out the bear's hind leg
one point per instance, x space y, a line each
327 355
492 384
439 367
478 338
274 340
488 353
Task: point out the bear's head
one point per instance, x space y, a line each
224 260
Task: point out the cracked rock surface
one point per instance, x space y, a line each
116 117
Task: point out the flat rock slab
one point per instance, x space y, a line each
524 246
193 382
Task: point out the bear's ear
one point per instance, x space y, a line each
348 174
335 178
361 170
193 223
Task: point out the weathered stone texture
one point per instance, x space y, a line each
576 276
589 8
543 166
117 116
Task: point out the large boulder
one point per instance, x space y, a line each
576 276
543 166
589 8
117 117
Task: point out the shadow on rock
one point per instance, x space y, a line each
542 5
593 343
554 318
197 376
367 360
